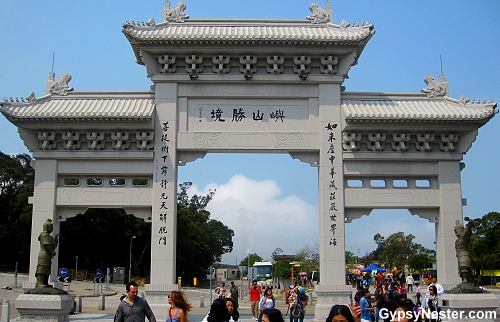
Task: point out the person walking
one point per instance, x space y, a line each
292 301
221 290
255 291
266 302
430 304
234 292
366 307
418 294
299 309
409 282
439 287
179 307
133 308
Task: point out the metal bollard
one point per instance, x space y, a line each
102 306
5 311
202 300
78 300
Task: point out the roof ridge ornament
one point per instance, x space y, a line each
464 100
435 88
60 86
176 14
320 15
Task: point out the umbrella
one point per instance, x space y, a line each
372 268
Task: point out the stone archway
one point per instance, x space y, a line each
250 86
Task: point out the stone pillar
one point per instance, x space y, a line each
333 289
164 221
450 210
43 208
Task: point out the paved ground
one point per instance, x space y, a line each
91 303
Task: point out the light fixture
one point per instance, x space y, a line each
248 76
193 75
303 76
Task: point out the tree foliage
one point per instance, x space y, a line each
419 262
485 243
201 241
352 261
282 269
253 258
101 239
396 250
308 257
16 185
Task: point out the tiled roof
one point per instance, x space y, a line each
304 33
437 110
86 107
238 33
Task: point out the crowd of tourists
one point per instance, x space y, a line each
389 302
390 296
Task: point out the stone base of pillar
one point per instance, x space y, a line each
468 307
157 297
28 286
328 296
41 307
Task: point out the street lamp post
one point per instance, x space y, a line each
130 259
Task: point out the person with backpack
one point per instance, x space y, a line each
299 309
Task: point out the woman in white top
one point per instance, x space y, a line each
266 302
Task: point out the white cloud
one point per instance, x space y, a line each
261 218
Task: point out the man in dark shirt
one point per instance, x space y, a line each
133 308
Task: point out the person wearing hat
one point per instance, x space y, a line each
255 292
299 310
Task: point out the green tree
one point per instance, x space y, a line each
201 241
101 238
308 257
419 262
253 258
16 185
396 249
282 269
485 244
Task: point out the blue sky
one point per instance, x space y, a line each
410 38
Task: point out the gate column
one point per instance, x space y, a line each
450 210
164 200
332 289
44 208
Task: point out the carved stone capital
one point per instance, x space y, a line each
188 156
308 157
